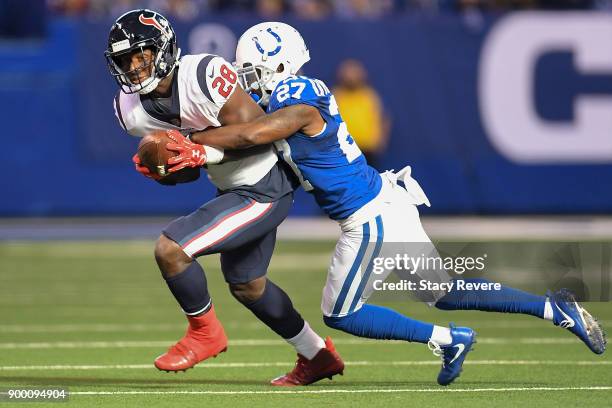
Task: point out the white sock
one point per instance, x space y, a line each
441 336
548 310
307 342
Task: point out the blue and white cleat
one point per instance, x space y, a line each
453 354
568 313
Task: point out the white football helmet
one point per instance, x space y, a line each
266 54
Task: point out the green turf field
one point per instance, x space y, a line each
93 316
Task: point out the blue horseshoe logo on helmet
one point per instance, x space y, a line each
270 53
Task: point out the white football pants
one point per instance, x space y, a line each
386 226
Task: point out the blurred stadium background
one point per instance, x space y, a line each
503 108
498 112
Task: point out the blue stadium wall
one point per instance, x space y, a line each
442 79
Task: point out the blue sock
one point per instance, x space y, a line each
376 322
506 300
190 289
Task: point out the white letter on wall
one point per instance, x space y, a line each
506 88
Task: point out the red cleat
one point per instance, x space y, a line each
205 338
325 364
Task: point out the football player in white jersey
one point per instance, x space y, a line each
377 215
162 91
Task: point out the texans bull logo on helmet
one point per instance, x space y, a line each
150 21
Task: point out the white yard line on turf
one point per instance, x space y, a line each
142 327
112 327
258 342
344 391
208 365
69 328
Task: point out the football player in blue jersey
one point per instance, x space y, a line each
372 209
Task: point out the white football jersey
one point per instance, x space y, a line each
201 86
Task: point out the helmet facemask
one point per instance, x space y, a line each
120 64
260 80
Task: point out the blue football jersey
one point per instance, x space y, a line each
330 164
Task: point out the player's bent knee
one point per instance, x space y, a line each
338 323
248 292
170 257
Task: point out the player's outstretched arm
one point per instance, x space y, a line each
264 130
239 108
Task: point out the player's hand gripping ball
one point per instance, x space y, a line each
153 154
189 154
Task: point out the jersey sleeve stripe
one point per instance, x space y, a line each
118 110
201 74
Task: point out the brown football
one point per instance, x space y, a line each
154 155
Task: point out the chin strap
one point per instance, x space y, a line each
150 87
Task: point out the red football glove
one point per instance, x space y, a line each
190 154
144 170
